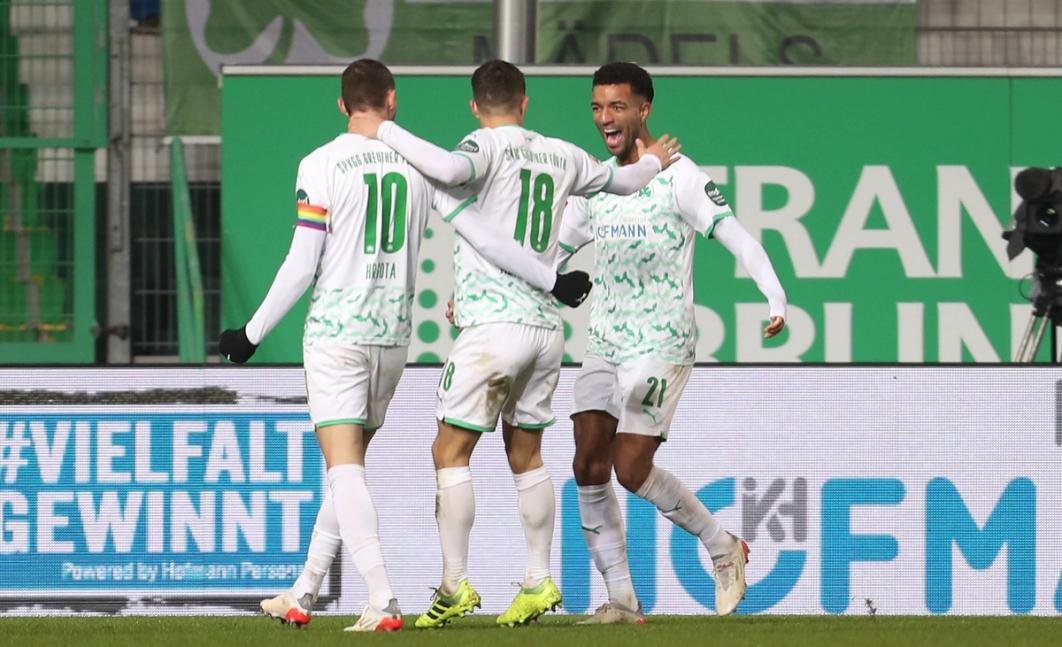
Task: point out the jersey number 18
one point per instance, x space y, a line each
540 207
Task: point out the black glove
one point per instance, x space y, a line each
235 346
572 288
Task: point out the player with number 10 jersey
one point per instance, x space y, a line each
361 212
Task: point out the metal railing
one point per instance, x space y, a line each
1010 33
52 121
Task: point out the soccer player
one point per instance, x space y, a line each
506 361
361 212
642 337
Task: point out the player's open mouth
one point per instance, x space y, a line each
613 137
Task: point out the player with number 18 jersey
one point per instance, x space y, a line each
506 360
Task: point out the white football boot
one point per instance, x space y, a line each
387 619
287 609
614 613
730 577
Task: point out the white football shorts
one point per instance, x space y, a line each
501 368
642 394
351 384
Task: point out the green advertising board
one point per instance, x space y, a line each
199 36
879 197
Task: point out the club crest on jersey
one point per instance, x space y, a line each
714 194
468 146
302 196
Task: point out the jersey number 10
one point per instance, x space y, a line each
541 208
391 218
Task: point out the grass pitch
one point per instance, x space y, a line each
558 630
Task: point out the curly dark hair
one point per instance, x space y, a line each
620 72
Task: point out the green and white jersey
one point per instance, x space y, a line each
521 181
642 302
373 207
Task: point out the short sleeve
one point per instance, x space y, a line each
478 149
312 201
591 174
698 199
575 229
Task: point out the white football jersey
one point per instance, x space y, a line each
521 181
374 207
642 303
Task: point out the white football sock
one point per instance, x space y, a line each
455 511
324 545
606 537
676 502
534 495
358 528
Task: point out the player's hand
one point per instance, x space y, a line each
450 312
235 346
666 149
774 326
572 288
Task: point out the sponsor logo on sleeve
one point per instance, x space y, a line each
468 146
714 194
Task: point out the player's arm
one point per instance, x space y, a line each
504 252
574 232
448 168
632 177
294 276
595 177
703 206
755 261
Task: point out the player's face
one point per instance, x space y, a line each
619 115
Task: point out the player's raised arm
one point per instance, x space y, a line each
446 167
294 276
630 178
594 176
500 249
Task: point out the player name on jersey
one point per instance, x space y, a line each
518 153
369 157
381 271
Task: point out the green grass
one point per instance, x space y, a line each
659 631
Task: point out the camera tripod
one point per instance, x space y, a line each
1047 312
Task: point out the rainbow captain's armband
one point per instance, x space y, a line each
307 215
